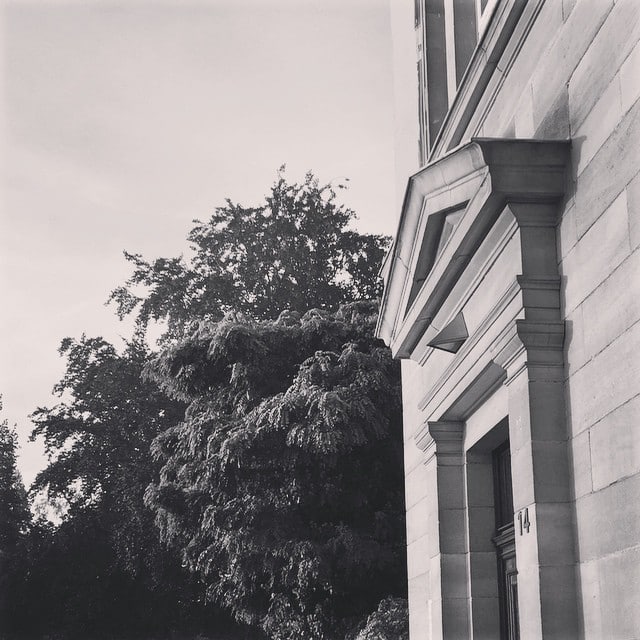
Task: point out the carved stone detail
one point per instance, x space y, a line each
443 440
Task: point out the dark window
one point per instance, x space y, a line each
503 486
504 542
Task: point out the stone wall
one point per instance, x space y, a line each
577 76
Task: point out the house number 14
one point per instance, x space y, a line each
523 521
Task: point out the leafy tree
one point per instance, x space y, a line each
97 438
104 569
14 508
292 252
283 485
14 517
280 485
389 622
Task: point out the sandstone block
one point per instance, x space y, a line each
479 485
529 602
620 594
610 47
484 575
451 486
555 122
575 355
593 394
615 445
608 520
580 458
557 601
418 596
417 521
453 573
610 170
523 117
482 525
566 52
633 207
607 312
591 134
602 248
485 614
418 560
554 523
588 577
522 478
567 231
551 471
453 537
630 79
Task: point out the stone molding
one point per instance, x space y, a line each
442 440
527 176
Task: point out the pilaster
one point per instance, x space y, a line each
442 443
532 355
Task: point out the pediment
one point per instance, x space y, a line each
448 209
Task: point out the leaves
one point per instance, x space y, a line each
263 484
14 510
290 253
264 439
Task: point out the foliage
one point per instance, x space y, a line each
104 570
14 516
389 622
292 252
71 586
97 438
14 509
268 440
283 485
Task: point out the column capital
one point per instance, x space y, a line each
442 440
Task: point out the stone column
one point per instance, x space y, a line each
444 458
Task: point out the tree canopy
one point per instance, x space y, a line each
103 569
293 252
283 485
251 465
14 509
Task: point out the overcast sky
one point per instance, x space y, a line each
124 121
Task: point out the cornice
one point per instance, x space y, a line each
527 172
441 439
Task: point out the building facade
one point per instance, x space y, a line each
512 296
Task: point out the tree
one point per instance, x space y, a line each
104 569
258 484
292 253
283 486
14 508
14 517
389 622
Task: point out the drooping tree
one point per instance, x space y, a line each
283 485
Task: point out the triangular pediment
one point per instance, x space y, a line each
448 209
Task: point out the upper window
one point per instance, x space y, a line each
447 33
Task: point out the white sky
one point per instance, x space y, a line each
123 121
